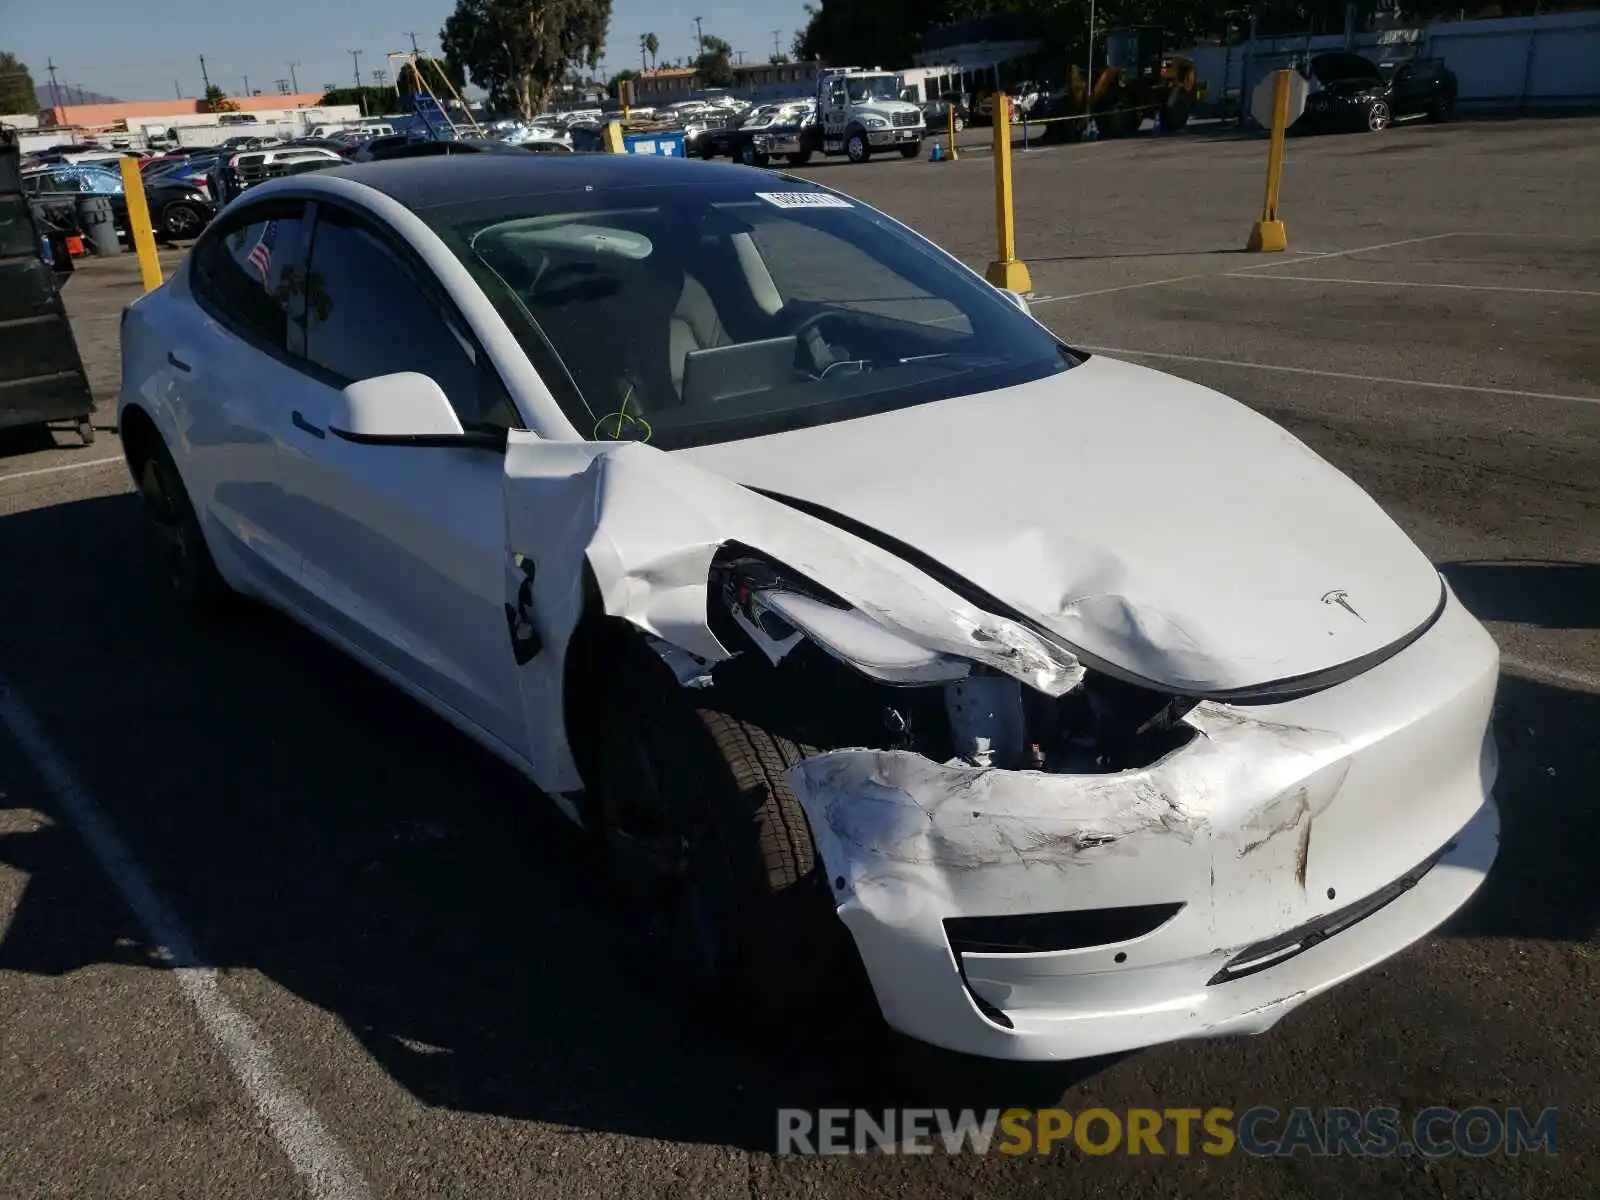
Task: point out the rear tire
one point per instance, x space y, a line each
1175 116
707 842
182 558
801 159
1443 109
910 151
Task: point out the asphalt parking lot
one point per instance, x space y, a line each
395 948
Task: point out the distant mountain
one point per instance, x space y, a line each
72 94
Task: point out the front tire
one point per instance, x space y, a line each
1378 116
707 842
911 151
856 147
751 157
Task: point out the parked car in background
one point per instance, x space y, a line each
1353 92
433 148
232 174
178 208
936 113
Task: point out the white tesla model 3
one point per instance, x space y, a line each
865 622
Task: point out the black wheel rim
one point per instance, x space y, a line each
667 862
167 519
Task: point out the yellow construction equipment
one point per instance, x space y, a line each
1135 77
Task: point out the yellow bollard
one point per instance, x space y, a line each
144 238
1007 271
614 138
1268 233
950 110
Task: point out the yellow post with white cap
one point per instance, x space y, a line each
1269 233
1007 271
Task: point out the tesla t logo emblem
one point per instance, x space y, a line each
1342 599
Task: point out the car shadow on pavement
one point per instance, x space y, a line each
315 827
1550 595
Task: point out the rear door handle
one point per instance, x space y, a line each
177 362
301 423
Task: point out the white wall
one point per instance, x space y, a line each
1545 60
20 120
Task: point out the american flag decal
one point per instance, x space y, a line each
260 256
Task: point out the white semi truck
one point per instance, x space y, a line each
859 114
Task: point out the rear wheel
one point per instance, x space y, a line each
182 220
910 151
1175 115
709 848
1443 108
801 159
182 559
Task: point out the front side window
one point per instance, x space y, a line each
367 315
247 270
866 88
692 316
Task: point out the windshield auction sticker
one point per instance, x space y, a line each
804 200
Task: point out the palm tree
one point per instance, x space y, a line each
652 43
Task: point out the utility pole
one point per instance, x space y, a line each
204 78
699 35
643 65
247 85
55 92
777 34
178 91
410 34
361 101
282 86
294 80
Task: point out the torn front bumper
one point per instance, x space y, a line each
1025 915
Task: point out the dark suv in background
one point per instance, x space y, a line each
1357 93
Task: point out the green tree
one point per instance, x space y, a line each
519 51
432 72
652 43
778 60
371 100
17 94
217 101
614 84
715 65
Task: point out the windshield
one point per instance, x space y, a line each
685 316
865 88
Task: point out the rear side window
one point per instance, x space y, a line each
246 271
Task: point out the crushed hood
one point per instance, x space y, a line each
1152 523
1341 66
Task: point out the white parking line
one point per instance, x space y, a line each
1126 287
312 1150
1459 287
1416 383
7 477
1273 261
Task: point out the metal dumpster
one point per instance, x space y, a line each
41 373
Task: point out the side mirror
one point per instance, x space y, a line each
403 409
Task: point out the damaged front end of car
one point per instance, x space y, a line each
1037 858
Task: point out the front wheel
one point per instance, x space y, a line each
801 159
959 124
751 157
707 842
856 147
1378 116
910 151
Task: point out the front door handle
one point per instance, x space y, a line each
301 423
177 362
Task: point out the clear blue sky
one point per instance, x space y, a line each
135 50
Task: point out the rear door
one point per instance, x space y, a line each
228 364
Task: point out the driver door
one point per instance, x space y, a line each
835 115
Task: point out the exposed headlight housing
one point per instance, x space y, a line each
874 121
